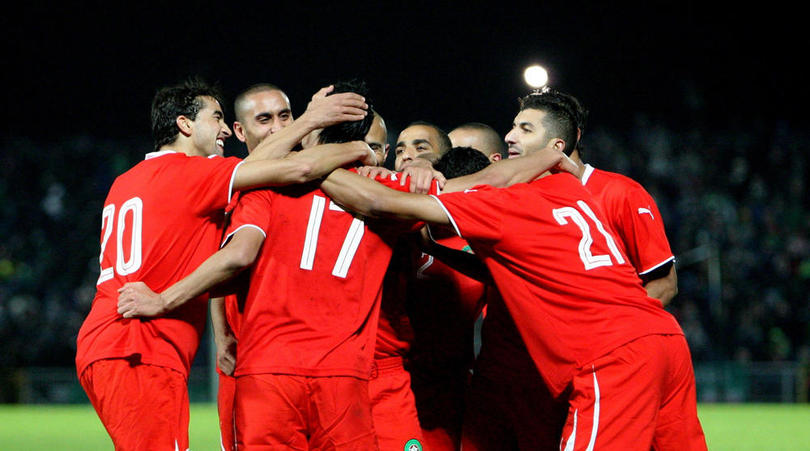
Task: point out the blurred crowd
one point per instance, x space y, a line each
732 199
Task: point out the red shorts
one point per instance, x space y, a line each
637 397
225 400
279 411
141 406
393 406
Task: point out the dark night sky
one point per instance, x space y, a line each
94 71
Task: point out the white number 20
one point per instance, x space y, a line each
350 244
588 259
123 267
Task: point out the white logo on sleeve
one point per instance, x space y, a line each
641 211
470 190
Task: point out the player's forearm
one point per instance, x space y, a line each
664 288
505 173
299 167
218 268
372 199
219 323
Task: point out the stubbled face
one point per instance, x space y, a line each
416 141
528 134
262 114
477 139
209 128
377 139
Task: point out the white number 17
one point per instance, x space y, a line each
350 244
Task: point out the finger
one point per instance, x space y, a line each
323 92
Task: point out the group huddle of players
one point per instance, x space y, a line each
344 295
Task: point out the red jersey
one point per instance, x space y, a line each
570 289
314 297
633 215
160 221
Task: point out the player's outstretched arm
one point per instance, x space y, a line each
466 263
301 167
373 199
321 112
137 299
505 173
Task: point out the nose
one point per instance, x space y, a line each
226 131
277 125
510 137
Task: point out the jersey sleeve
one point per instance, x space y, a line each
393 181
210 182
643 233
475 214
253 209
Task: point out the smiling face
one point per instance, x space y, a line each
528 133
261 114
209 128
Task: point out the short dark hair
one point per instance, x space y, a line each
252 89
460 161
184 99
350 130
565 116
492 136
444 141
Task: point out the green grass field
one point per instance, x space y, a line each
735 427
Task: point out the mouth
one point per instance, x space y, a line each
513 153
221 143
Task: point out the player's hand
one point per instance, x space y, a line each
226 352
374 172
369 157
137 299
566 164
323 111
421 174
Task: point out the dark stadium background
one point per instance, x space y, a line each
704 105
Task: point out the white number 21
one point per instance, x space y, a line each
350 244
588 259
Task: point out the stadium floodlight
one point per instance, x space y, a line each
536 76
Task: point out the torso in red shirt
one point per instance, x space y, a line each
314 297
161 220
567 284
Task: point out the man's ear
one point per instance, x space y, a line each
185 125
495 157
239 131
558 144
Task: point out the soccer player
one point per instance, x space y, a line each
619 360
264 119
160 220
420 140
503 384
481 137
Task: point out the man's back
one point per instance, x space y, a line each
160 221
570 308
314 299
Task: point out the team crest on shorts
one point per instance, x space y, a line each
413 445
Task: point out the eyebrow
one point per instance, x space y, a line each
422 141
524 123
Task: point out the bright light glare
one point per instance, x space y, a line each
536 76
